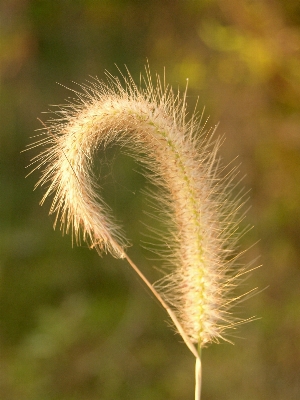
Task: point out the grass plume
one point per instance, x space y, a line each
180 159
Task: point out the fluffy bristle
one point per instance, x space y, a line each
179 160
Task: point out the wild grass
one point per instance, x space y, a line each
193 196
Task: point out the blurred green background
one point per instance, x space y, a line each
74 326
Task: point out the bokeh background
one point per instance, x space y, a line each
74 326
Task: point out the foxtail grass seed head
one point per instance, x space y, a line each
180 159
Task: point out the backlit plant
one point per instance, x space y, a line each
180 159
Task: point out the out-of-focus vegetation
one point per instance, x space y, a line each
75 326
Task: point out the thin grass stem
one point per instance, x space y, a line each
198 378
172 315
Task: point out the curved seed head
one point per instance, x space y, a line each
180 159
